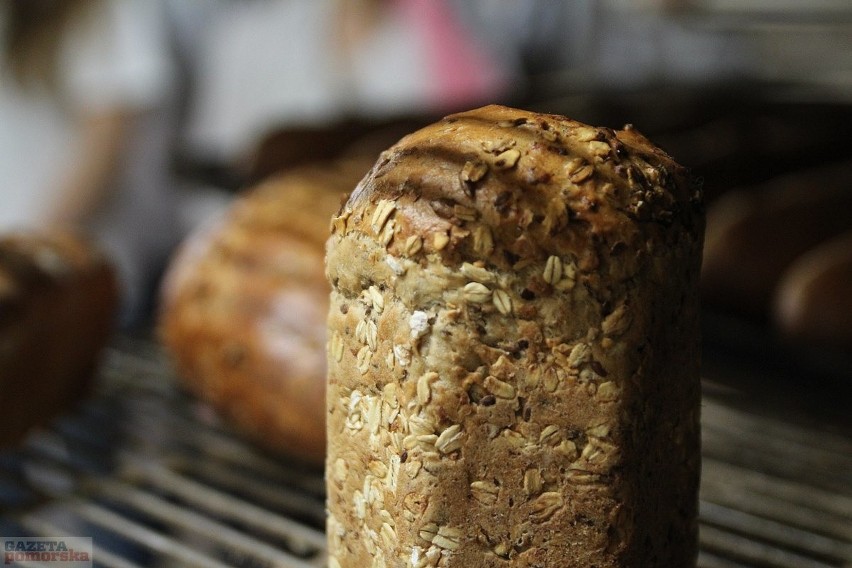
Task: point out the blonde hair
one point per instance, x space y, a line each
35 31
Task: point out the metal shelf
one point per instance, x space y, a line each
152 476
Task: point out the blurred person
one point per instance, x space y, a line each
85 129
266 64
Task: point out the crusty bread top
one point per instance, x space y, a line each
509 187
30 262
290 205
297 202
53 255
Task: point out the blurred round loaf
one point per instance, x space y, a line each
244 307
754 235
813 303
58 302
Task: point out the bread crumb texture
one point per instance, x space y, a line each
513 364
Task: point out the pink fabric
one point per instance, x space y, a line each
460 69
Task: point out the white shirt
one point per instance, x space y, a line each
271 63
116 58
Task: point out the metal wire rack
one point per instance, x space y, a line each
156 480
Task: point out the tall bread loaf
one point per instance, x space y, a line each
514 351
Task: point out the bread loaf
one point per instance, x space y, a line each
244 305
755 235
813 301
58 301
514 352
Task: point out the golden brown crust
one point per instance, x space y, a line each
514 350
58 301
244 304
529 173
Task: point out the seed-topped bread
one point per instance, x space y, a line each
513 350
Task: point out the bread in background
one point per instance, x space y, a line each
755 235
244 304
58 305
813 302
